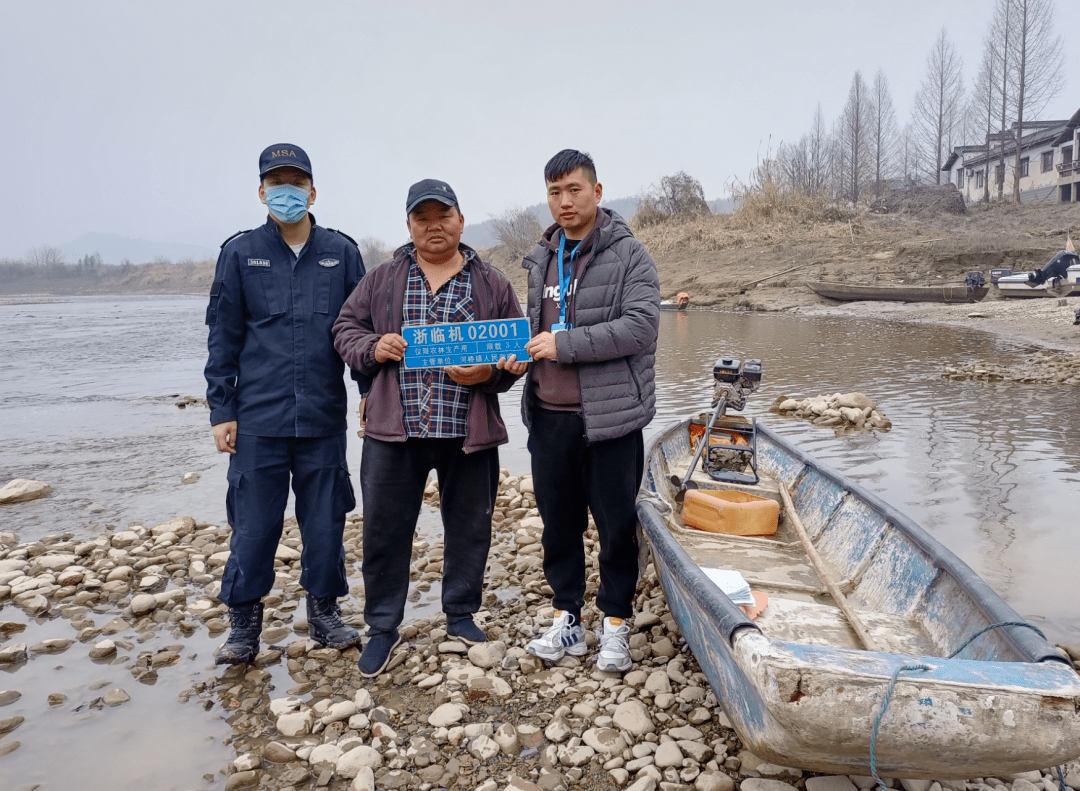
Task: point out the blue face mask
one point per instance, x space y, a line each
287 202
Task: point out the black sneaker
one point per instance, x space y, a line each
243 643
465 630
325 625
377 653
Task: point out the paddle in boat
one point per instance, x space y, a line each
877 651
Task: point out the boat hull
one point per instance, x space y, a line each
1008 704
850 292
1015 286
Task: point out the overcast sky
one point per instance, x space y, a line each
146 119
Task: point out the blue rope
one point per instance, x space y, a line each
1061 776
892 683
981 632
877 722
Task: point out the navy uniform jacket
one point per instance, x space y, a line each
272 366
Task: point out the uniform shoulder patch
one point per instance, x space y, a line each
342 233
234 236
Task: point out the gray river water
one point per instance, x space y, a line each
87 403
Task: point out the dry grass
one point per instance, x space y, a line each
760 256
766 216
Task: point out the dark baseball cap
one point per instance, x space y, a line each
430 189
283 155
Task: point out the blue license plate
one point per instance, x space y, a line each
465 343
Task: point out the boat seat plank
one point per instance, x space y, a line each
816 623
776 560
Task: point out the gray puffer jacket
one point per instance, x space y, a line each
616 315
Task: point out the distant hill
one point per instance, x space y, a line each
115 249
481 235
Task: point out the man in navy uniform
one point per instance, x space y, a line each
278 403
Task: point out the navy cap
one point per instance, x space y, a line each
430 189
283 155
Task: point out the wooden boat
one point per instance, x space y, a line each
851 292
797 684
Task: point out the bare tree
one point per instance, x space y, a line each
855 135
818 154
517 231
374 252
45 257
805 166
676 196
936 103
983 102
1036 56
883 131
792 162
839 181
909 155
1000 31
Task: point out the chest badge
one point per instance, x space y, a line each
329 262
258 262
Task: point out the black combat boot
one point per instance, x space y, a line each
243 643
325 625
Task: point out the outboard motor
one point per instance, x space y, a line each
974 280
1055 271
736 438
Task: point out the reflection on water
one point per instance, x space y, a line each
991 469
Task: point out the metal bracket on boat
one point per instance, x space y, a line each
734 381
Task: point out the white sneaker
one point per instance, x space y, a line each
566 636
614 649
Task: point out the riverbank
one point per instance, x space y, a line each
759 260
139 603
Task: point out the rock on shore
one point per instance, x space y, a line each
20 490
839 410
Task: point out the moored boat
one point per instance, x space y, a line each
805 683
1059 277
1017 285
852 292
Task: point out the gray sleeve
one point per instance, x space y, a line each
635 328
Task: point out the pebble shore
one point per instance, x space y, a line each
443 715
1042 367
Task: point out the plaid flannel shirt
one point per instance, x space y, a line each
435 406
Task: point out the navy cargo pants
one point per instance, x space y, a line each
259 474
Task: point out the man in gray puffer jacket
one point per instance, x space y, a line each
594 310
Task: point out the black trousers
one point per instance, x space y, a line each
392 480
572 476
